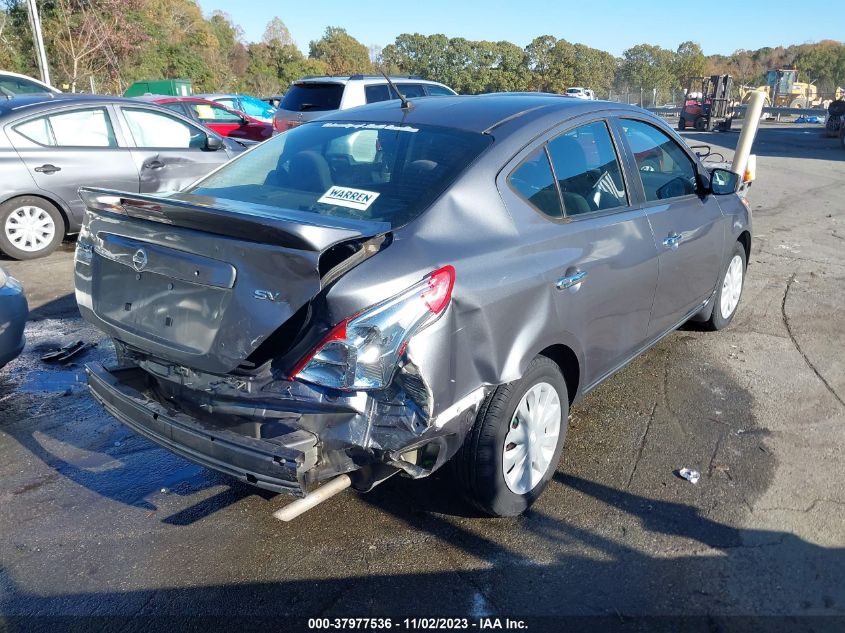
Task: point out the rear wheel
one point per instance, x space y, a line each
513 449
729 290
682 124
30 227
700 124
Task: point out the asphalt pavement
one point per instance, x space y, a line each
98 521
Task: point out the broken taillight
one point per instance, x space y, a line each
363 351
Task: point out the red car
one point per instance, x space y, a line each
219 118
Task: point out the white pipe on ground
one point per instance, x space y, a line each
749 131
327 490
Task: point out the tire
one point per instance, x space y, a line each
479 464
799 103
723 312
42 217
700 124
682 124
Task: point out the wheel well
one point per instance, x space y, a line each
745 240
567 361
61 209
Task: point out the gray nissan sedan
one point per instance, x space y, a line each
398 286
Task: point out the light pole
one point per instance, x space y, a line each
35 24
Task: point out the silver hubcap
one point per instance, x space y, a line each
731 287
30 228
532 437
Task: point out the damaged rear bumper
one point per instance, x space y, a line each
279 464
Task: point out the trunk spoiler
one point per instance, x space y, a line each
288 228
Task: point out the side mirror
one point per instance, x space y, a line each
723 182
213 143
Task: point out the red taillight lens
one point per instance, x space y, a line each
439 290
283 125
337 333
363 351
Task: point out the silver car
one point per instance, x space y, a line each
394 287
49 147
14 312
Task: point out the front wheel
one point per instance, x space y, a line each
729 290
514 447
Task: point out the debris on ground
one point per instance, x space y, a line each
690 475
67 352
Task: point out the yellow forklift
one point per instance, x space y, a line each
707 104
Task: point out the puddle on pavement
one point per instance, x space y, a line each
66 381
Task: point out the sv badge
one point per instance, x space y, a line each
266 295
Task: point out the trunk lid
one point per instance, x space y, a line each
199 281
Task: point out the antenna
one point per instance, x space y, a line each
406 105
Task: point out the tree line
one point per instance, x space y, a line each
108 44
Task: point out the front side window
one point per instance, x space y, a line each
207 113
11 86
79 128
156 130
228 102
587 170
665 170
354 170
534 182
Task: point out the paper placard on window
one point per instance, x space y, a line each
348 197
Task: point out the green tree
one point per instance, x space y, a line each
341 53
646 67
689 61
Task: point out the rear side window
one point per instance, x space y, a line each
587 170
376 93
228 102
411 90
311 97
438 91
175 106
19 86
665 169
90 127
356 170
533 180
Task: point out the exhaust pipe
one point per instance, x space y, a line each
326 491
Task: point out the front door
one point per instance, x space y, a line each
689 228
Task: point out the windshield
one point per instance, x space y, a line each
369 171
312 97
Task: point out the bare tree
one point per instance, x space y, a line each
81 37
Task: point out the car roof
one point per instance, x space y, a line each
366 79
35 103
477 113
9 73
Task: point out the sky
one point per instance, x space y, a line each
612 26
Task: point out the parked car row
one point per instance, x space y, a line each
52 146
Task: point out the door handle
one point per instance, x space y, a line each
570 280
47 169
153 164
672 241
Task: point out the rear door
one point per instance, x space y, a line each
689 228
169 152
73 147
599 262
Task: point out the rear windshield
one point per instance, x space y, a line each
312 97
367 171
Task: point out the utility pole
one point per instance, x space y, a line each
35 24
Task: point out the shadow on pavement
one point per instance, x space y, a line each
750 573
